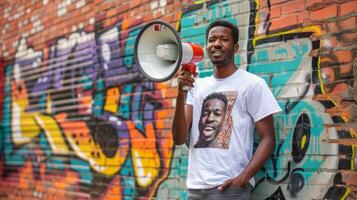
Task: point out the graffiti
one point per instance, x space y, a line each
85 108
293 168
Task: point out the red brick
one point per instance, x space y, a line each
344 56
134 3
167 18
349 23
284 22
111 13
348 39
293 7
324 13
330 42
314 4
275 12
123 8
303 17
332 27
170 8
272 2
148 16
348 7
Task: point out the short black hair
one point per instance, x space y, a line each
234 29
217 95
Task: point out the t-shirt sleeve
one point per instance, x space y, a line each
261 102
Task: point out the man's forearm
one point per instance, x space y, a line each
179 124
261 155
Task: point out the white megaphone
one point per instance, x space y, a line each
160 53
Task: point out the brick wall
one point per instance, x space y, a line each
78 120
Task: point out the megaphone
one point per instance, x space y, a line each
160 53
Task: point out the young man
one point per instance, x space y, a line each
225 170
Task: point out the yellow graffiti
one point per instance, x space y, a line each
111 103
27 126
53 133
303 141
23 125
200 1
81 141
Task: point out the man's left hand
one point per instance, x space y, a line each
238 181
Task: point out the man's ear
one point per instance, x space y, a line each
236 48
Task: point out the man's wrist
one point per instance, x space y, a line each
244 177
181 94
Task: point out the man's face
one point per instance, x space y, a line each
211 119
220 45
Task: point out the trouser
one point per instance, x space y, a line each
230 193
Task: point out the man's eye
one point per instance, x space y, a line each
218 113
211 40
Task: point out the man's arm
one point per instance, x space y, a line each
183 113
265 148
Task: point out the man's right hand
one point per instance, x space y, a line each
184 79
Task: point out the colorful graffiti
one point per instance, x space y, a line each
294 169
78 120
82 121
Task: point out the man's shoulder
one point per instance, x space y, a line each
248 77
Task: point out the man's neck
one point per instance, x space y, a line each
221 71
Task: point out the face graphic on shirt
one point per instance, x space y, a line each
212 117
215 111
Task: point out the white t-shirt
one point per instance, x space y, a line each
227 119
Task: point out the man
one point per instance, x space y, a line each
225 172
213 113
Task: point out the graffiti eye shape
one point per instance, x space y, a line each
105 135
297 182
301 138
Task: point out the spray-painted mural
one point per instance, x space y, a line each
78 120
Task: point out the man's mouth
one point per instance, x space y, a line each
208 131
208 128
217 53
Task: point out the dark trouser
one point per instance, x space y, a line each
232 192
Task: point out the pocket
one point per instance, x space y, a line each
233 187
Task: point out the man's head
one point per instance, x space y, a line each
222 42
212 116
232 27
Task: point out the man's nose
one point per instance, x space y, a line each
217 43
210 117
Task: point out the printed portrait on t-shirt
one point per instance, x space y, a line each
215 124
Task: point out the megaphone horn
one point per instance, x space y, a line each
160 53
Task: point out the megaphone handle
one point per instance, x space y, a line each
190 67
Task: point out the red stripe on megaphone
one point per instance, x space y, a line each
197 52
